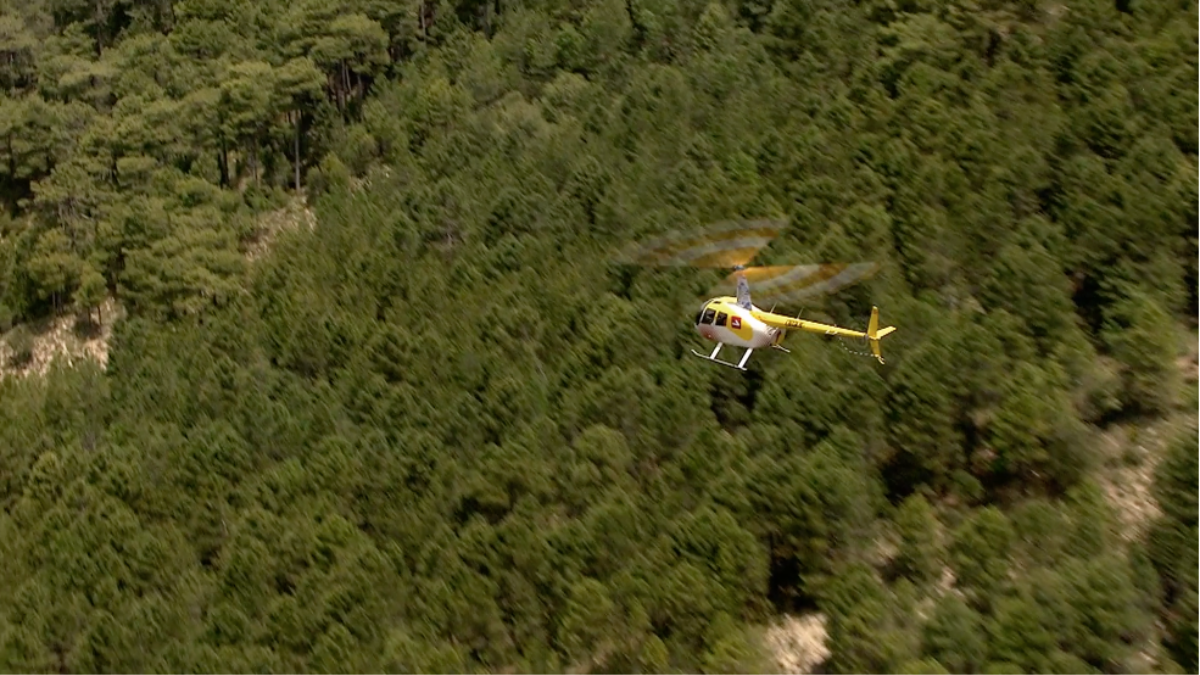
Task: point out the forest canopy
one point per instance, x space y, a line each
437 430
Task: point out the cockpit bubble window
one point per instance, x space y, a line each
707 316
722 318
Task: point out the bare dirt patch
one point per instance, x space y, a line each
1127 485
1132 452
60 337
293 216
64 336
1189 367
798 643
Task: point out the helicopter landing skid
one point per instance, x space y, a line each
741 365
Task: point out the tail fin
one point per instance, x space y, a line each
875 333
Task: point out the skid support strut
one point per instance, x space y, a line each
740 365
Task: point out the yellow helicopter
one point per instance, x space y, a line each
734 320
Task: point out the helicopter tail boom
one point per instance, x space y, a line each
788 323
873 335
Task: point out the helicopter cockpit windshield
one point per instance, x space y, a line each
706 315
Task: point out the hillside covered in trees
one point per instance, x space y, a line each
439 431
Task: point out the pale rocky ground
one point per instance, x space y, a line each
58 338
798 643
297 213
1128 485
1131 454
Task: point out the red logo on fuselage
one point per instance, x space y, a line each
735 322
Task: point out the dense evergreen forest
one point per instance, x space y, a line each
440 431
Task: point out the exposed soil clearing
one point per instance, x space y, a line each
296 214
1133 453
1190 368
1128 486
59 338
798 643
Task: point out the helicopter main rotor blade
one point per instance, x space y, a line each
793 283
725 244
